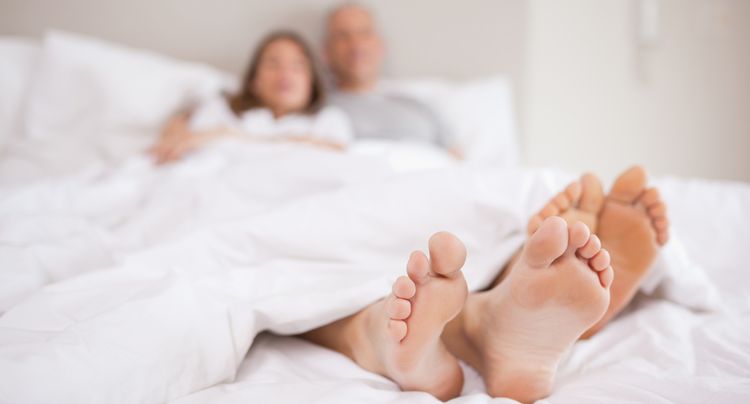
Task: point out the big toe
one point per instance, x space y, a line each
629 185
592 194
548 243
447 253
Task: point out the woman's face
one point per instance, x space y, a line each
283 81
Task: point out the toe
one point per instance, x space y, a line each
600 261
591 247
573 191
562 202
606 277
661 224
397 329
592 194
550 210
578 235
534 224
418 267
650 197
662 237
629 185
398 309
447 254
658 209
548 243
404 288
559 204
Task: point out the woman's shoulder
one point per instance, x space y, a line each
211 112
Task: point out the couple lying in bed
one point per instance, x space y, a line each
584 259
282 97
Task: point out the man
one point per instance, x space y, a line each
354 52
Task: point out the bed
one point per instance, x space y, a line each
122 282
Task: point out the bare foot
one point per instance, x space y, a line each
399 337
516 333
632 226
580 201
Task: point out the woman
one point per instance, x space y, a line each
281 99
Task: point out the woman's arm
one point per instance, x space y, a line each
174 130
315 141
176 139
330 129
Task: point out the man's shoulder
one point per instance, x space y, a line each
347 99
342 94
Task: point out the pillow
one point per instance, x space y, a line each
18 59
86 86
478 113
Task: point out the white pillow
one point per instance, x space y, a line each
86 86
18 59
478 113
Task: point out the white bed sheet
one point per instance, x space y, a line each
657 351
187 328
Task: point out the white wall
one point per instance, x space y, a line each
424 37
450 39
589 96
595 99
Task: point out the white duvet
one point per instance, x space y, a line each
158 281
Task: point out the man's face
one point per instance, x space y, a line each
354 50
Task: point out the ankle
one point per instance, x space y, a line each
464 335
354 342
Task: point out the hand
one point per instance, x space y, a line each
173 141
456 153
172 148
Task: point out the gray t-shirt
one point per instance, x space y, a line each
376 115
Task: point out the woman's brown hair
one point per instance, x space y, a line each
246 99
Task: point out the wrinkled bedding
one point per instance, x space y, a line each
127 283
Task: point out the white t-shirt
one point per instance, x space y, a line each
330 123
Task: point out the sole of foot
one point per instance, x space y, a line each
632 225
581 200
558 288
405 328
